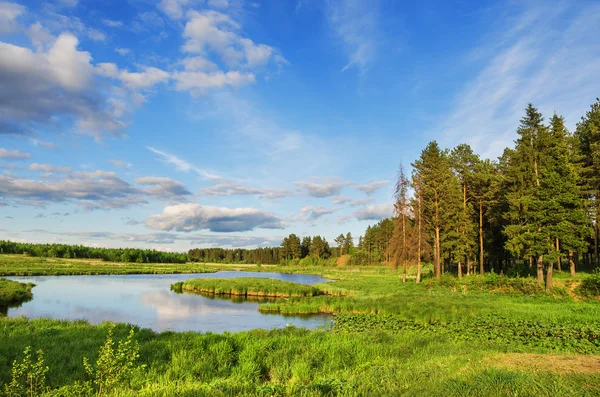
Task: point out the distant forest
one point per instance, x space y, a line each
533 209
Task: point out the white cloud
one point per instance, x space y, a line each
149 77
95 34
48 168
173 8
546 55
238 189
120 164
312 213
39 87
372 187
193 217
198 63
341 200
358 203
356 24
213 31
375 212
201 80
112 23
9 12
13 154
164 188
123 51
183 165
323 187
218 3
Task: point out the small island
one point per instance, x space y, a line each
247 287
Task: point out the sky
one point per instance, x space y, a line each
177 124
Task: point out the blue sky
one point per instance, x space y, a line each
174 124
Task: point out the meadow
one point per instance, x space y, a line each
480 336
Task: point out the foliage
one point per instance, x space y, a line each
28 378
113 368
590 286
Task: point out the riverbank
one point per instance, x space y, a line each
480 336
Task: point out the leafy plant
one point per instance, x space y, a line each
28 378
114 367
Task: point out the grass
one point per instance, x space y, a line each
480 336
13 292
297 362
246 287
18 265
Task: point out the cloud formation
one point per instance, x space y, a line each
372 187
322 187
375 212
237 189
193 217
13 154
91 190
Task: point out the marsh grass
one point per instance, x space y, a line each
13 292
247 287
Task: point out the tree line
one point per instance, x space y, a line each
534 207
83 252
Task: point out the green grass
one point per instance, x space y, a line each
444 337
18 265
13 292
292 362
247 287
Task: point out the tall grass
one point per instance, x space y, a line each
290 362
246 287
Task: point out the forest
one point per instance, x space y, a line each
532 210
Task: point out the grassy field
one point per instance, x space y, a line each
480 336
247 287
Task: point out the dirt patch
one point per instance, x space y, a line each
557 363
342 260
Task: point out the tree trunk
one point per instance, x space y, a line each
436 259
419 226
596 261
549 276
459 270
558 250
481 271
571 264
530 262
540 269
468 266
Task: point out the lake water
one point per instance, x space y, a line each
146 300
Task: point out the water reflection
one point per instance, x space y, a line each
147 301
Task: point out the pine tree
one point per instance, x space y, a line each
568 224
437 182
463 162
525 215
348 243
400 239
339 240
588 137
484 178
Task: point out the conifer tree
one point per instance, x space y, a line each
588 139
463 162
436 180
525 215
